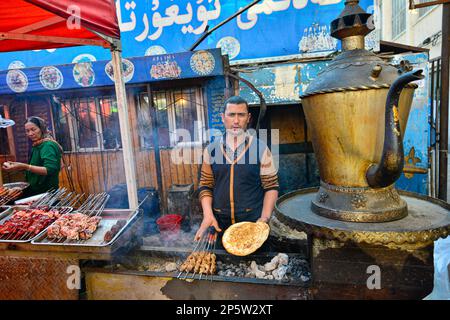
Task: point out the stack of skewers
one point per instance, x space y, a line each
9 194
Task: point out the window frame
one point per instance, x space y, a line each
139 97
97 128
200 124
423 11
398 11
101 118
73 124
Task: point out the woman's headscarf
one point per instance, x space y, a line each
42 125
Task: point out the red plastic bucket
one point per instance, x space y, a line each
169 225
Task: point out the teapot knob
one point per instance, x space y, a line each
376 72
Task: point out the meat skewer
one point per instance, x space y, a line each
81 225
186 266
23 224
9 194
202 259
27 223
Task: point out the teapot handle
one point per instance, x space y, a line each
385 173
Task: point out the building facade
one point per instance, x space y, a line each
419 27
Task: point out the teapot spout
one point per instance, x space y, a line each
385 173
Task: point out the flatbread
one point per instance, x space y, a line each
244 238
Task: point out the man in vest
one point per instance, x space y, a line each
238 179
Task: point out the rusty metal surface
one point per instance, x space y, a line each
104 285
108 281
34 278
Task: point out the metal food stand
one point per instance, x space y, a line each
39 269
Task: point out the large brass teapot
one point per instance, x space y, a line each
357 112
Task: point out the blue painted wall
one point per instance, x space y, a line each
417 135
270 29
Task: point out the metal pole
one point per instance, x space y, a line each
125 130
443 145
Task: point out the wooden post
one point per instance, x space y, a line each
125 130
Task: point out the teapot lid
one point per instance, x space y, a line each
355 68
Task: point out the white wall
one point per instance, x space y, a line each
417 29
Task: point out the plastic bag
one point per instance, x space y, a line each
441 290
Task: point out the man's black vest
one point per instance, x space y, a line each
238 192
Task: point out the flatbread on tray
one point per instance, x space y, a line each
244 238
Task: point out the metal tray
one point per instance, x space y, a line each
7 214
28 201
21 185
4 208
109 218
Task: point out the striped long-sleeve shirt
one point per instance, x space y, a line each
238 180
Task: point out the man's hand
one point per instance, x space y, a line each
263 219
207 222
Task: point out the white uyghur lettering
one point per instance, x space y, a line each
155 5
326 2
144 33
270 6
130 25
267 7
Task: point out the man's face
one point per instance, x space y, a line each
236 118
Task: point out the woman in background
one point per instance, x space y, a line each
42 171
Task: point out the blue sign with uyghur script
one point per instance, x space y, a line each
271 28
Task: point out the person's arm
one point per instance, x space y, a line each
206 188
51 158
269 180
270 198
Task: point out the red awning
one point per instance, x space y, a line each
44 24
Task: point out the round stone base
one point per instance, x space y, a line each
428 219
